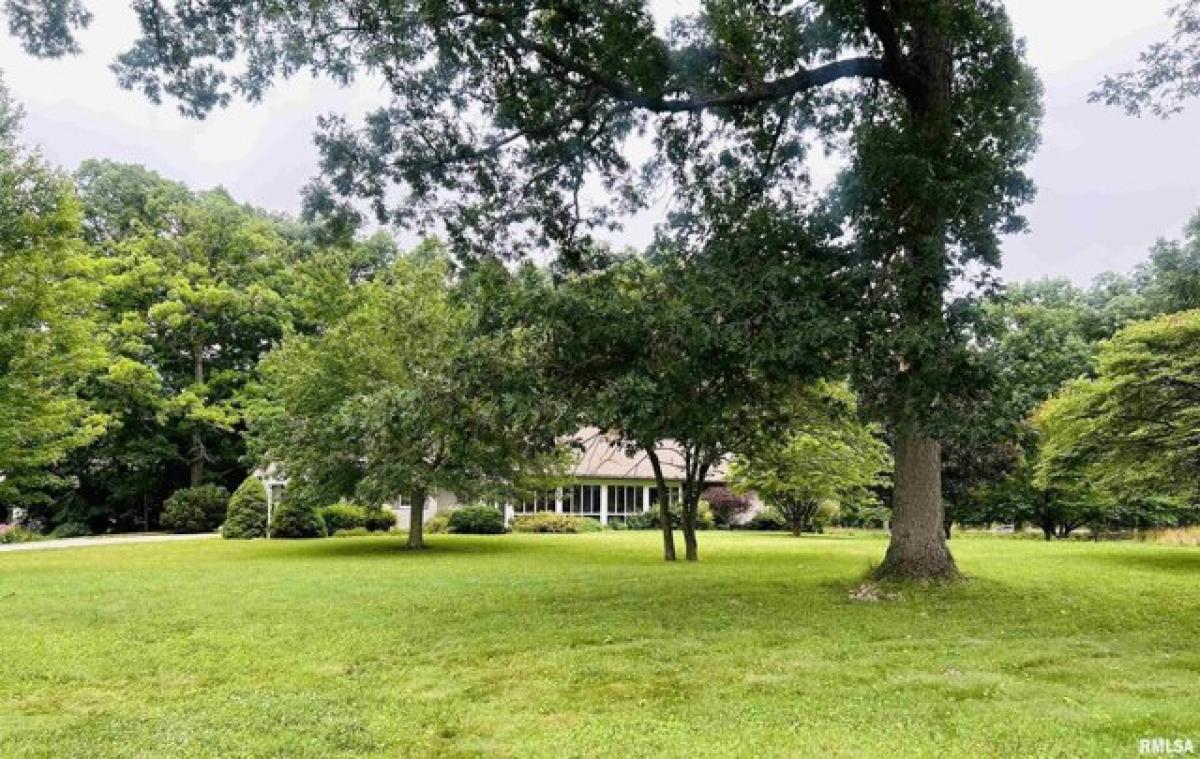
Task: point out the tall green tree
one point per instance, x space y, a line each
411 393
191 301
502 115
48 340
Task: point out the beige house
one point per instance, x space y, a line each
604 484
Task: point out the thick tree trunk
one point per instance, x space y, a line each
416 520
918 546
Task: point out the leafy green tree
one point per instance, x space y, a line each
411 393
660 355
48 342
1168 74
826 454
191 295
530 104
1132 431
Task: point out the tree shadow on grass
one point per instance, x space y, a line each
1182 559
392 547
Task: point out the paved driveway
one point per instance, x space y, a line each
103 540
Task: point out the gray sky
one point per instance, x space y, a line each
1109 185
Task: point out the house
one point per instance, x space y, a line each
605 484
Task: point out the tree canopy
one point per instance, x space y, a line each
412 392
48 342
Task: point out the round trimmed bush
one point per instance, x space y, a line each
199 509
477 520
246 517
437 525
293 519
344 515
380 520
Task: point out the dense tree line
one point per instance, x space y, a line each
500 116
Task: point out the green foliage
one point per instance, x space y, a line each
438 524
549 521
379 520
422 387
294 518
476 520
71 530
1130 433
1168 72
355 532
200 509
18 534
766 520
649 520
48 338
825 454
343 515
246 517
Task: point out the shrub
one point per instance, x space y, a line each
648 520
247 514
343 515
549 521
70 530
643 520
726 506
439 524
357 532
380 520
295 519
765 520
18 534
199 509
477 520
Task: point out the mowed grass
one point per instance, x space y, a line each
589 645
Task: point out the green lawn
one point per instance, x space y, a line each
588 645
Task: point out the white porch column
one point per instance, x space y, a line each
604 504
558 500
508 512
646 498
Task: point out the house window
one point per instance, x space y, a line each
542 500
584 501
672 496
624 500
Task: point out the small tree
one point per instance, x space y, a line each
726 505
827 455
247 514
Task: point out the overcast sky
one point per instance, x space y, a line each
1109 185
